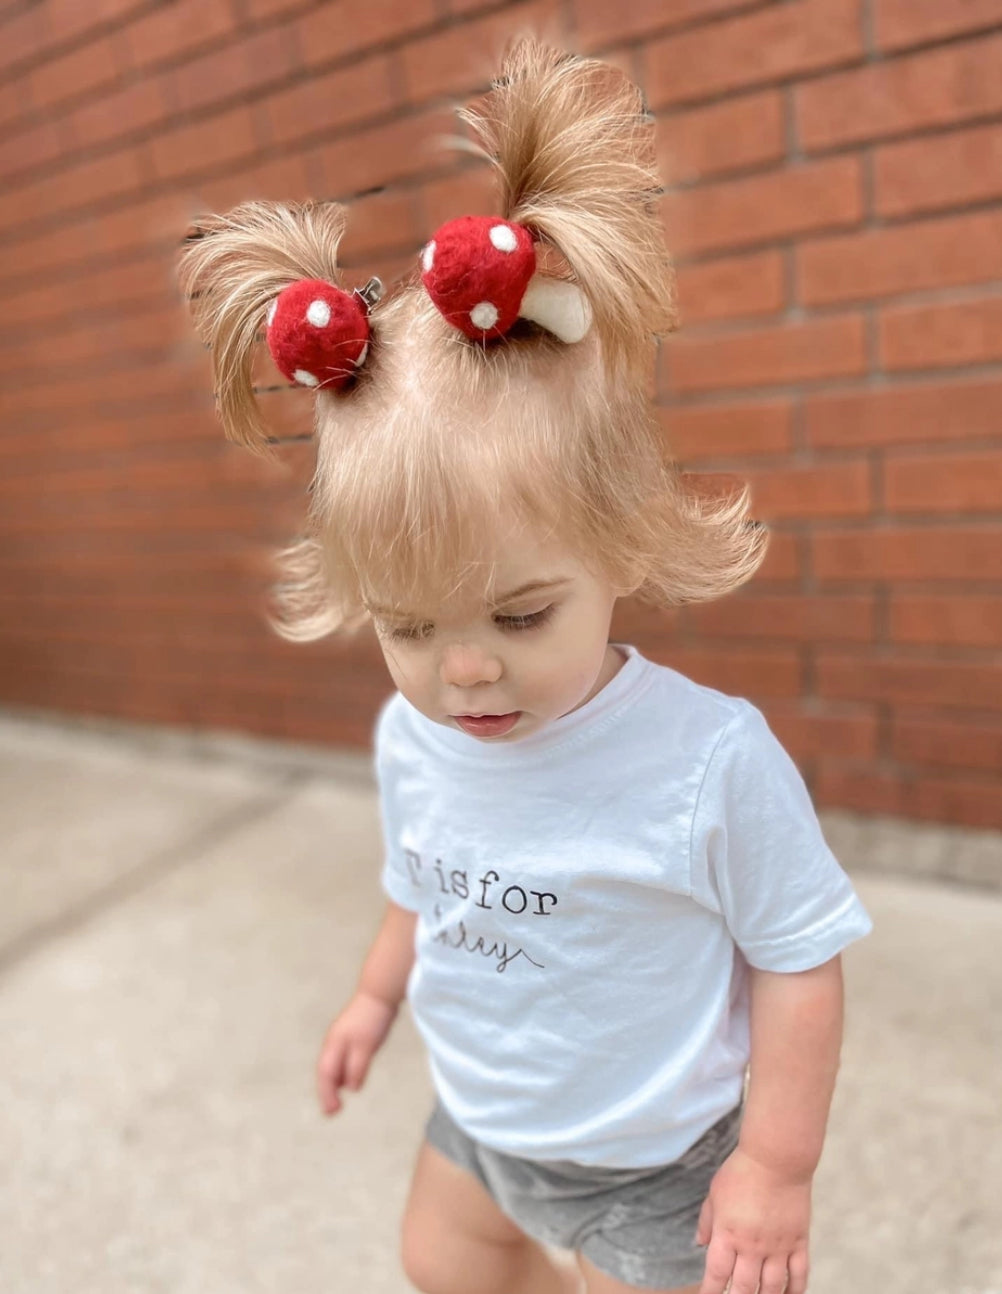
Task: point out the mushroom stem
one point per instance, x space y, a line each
557 305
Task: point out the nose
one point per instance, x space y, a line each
466 665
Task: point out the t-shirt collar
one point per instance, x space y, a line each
619 693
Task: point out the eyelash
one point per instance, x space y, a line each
509 624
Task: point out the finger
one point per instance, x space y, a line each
798 1266
704 1228
747 1270
357 1066
329 1075
774 1270
719 1265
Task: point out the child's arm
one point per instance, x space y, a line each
756 1216
361 1028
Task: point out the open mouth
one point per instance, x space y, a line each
487 725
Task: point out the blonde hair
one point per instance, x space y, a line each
442 442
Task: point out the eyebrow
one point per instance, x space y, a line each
523 590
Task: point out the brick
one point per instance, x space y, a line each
90 433
900 23
96 64
944 482
15 106
383 220
249 64
469 192
963 743
972 803
945 620
133 224
465 58
763 208
134 108
741 132
908 258
852 735
323 37
958 684
772 44
76 186
836 489
801 352
105 290
783 561
69 20
291 177
754 672
733 287
402 149
707 432
941 171
24 36
951 553
191 149
598 23
29 149
905 415
176 29
918 92
327 103
103 341
801 618
463 7
258 10
914 337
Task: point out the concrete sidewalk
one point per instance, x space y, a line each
180 920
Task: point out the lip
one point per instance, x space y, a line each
488 725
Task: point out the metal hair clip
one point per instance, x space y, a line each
372 292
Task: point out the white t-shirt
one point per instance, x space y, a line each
589 897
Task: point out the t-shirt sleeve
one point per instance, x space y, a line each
395 878
759 857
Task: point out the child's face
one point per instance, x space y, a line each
534 654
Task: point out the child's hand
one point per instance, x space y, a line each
755 1221
352 1040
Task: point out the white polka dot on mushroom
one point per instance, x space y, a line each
428 257
484 315
319 313
503 238
271 311
304 378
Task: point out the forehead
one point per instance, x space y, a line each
519 564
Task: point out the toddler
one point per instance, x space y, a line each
608 892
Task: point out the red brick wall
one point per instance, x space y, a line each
835 201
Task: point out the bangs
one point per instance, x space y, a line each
455 447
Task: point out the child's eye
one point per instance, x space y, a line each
411 633
533 621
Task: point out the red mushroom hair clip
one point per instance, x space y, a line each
480 271
318 334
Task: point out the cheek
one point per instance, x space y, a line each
403 671
567 676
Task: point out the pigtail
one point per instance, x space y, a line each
231 270
573 145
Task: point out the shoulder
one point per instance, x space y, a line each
701 715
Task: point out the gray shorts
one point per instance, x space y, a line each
636 1224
